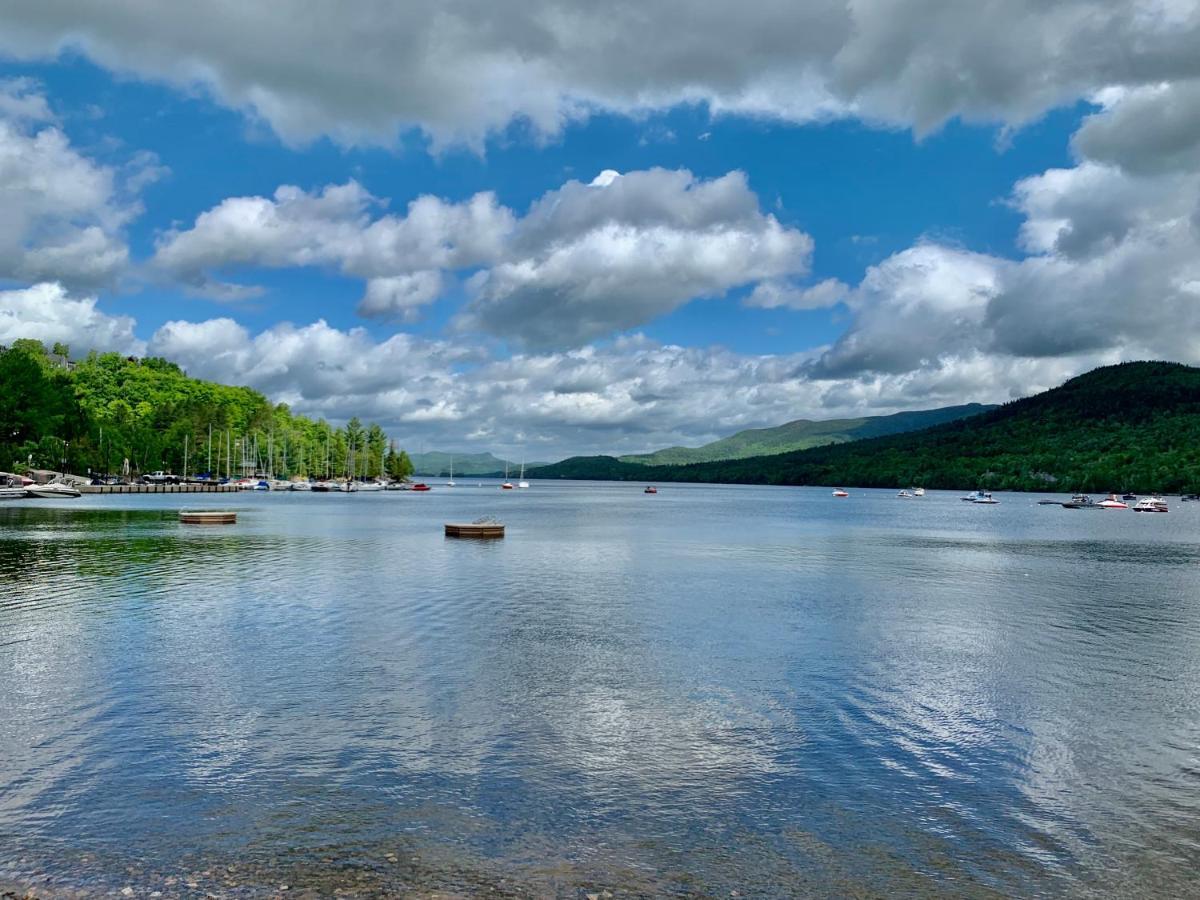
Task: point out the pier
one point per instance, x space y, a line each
158 488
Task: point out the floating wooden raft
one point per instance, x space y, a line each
480 528
207 517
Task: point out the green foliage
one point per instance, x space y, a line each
1134 426
107 408
802 434
397 464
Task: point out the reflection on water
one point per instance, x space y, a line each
713 689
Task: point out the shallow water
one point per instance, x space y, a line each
713 689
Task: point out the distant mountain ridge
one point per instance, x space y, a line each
1133 426
437 462
804 433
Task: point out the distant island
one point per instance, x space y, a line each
1133 426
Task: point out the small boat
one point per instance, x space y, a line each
840 493
971 497
1151 504
986 499
522 483
1081 501
262 485
369 486
12 493
650 489
1112 502
55 490
1187 497
346 487
450 483
420 486
507 486
1129 497
300 486
918 492
322 487
906 495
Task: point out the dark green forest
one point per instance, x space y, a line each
1134 426
93 414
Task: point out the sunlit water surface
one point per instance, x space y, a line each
715 689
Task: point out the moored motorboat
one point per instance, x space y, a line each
55 490
420 486
1081 501
918 492
300 486
986 499
650 489
841 493
971 497
905 495
1151 504
1112 501
12 493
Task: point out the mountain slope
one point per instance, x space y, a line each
1133 426
435 462
804 433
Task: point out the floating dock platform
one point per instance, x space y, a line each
207 517
158 488
475 529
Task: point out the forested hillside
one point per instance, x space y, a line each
1134 426
804 433
94 414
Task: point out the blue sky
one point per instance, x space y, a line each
913 220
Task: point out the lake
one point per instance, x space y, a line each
709 690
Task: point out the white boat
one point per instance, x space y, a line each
522 483
369 486
905 495
346 487
1151 504
918 492
985 498
299 486
12 493
972 497
55 490
450 483
840 493
1112 501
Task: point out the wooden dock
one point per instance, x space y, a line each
475 529
158 488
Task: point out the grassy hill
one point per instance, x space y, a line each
802 434
1134 426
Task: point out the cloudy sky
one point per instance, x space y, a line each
550 227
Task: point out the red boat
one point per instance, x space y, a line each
650 490
420 486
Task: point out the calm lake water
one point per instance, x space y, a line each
715 689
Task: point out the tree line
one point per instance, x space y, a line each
95 414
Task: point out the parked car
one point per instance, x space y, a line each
161 478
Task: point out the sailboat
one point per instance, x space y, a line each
450 483
522 483
507 486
